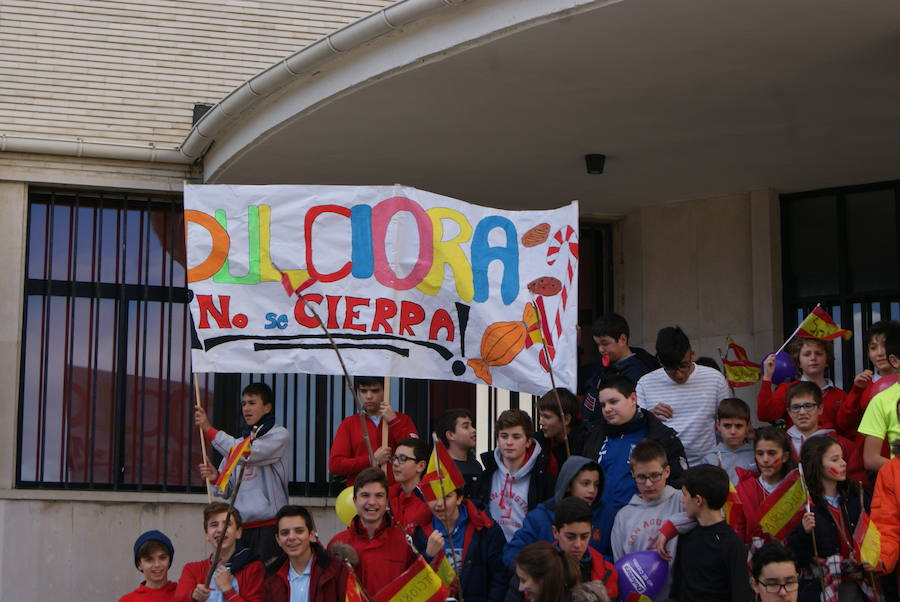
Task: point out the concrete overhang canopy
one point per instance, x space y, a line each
497 102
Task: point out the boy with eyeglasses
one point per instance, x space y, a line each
774 571
805 405
682 394
406 501
656 507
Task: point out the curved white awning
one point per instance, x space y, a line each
497 101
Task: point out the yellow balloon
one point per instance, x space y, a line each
344 506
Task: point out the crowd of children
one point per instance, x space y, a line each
653 457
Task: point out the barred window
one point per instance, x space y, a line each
840 248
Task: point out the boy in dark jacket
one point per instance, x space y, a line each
579 477
617 357
711 560
515 472
611 440
474 542
305 565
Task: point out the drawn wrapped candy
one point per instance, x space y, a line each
536 236
502 342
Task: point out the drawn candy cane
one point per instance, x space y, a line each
564 238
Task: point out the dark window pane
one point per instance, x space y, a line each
811 244
872 240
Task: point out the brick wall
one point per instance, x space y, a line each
132 70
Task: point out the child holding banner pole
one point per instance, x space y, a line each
202 439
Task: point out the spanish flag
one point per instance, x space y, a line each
730 502
868 540
739 372
354 589
783 508
238 450
441 468
444 569
419 582
819 325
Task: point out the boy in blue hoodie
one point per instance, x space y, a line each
733 451
579 477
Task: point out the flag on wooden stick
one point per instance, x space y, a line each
234 455
739 372
419 582
783 508
442 476
819 325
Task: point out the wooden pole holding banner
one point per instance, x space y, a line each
383 423
349 383
562 416
202 435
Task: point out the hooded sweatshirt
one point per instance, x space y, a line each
638 524
508 500
731 459
538 522
265 487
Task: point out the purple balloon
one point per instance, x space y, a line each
784 367
643 572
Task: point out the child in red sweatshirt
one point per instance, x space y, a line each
153 553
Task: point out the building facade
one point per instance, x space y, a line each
750 174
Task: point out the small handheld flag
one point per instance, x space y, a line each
442 476
355 591
739 372
819 325
783 508
419 582
868 540
234 455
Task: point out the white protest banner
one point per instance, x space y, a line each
409 283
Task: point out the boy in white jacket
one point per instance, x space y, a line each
657 506
264 488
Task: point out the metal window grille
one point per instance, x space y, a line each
840 248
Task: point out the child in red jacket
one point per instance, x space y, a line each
239 575
349 453
812 357
153 553
774 459
327 576
379 542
